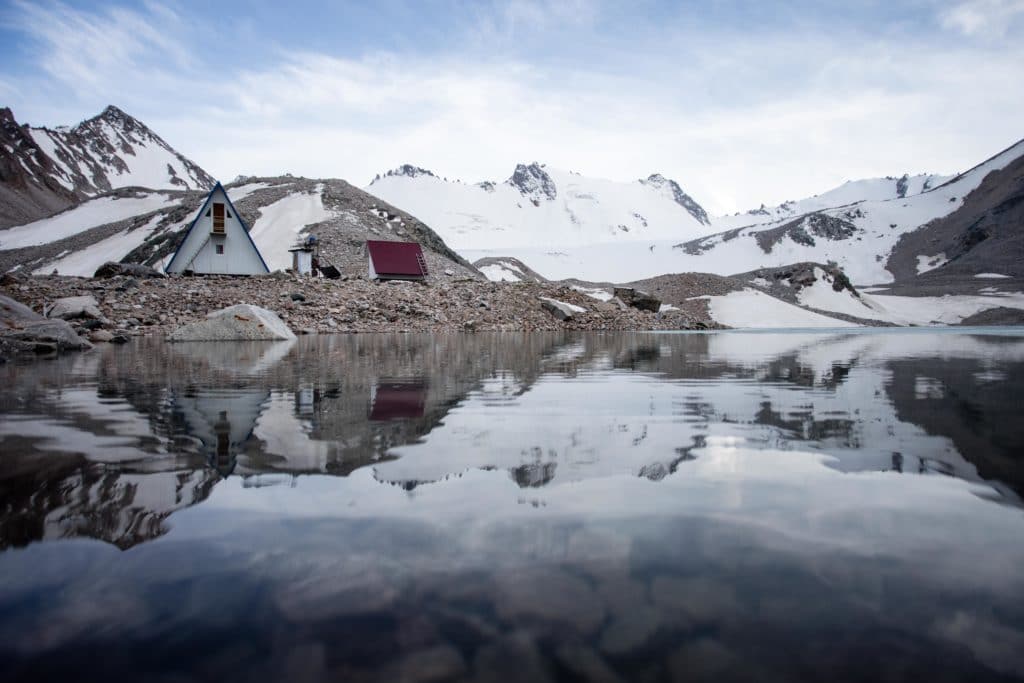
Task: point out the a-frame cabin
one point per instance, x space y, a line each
217 242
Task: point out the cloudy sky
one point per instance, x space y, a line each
741 102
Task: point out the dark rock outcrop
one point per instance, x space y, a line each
681 198
533 182
804 229
985 235
638 299
112 269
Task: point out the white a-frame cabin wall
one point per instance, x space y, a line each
218 243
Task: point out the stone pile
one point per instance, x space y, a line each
129 306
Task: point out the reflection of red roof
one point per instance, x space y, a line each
396 400
397 258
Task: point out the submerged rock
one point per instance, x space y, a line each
241 322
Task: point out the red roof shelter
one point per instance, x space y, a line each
396 260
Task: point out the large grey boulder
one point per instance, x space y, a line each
72 307
24 330
15 315
243 322
44 336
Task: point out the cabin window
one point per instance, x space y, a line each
219 248
218 217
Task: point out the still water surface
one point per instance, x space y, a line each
724 506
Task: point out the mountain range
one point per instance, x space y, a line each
600 230
111 189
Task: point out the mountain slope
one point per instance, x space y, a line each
44 170
141 226
850 192
541 205
985 235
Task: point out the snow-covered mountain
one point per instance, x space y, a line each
850 192
542 205
43 170
859 234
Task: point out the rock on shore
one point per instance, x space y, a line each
243 322
23 330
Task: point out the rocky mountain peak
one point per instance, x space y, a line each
43 170
672 188
901 186
533 182
407 171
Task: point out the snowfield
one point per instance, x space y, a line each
91 214
753 309
83 263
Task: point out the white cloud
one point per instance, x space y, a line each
982 17
736 119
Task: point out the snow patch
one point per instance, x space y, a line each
279 224
926 263
594 292
945 310
992 276
572 307
821 296
751 308
239 193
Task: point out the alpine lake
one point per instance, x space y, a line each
722 506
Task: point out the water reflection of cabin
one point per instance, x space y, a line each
222 422
397 399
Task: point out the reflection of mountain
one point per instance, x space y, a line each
827 393
70 497
971 404
108 445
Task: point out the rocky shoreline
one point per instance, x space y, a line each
134 306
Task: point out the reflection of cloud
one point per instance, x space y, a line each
997 645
